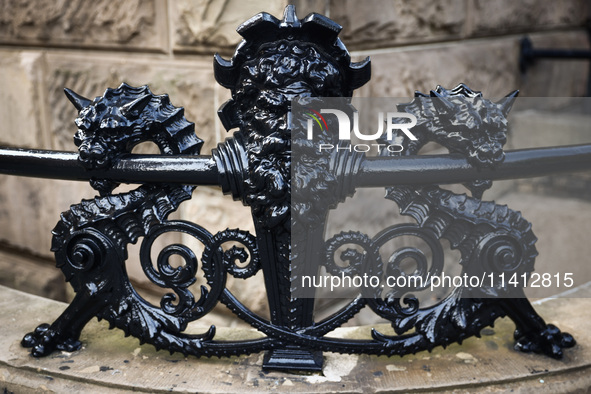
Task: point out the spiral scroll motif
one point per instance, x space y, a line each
357 260
238 255
180 278
499 255
84 251
391 306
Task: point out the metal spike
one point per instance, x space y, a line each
137 105
289 17
442 103
359 73
507 103
225 73
76 99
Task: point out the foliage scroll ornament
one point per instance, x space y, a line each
277 61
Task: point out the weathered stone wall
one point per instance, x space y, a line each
46 45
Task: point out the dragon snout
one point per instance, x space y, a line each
93 155
490 153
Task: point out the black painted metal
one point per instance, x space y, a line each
193 170
528 55
278 61
444 169
372 171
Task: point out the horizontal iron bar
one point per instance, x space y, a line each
574 54
374 171
193 170
453 168
528 54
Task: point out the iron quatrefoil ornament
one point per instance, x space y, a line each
278 61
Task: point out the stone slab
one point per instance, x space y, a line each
110 361
32 275
210 25
31 207
487 65
510 16
390 23
306 7
543 125
133 24
21 95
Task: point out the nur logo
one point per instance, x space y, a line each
407 122
317 117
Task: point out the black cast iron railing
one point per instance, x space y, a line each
528 56
277 62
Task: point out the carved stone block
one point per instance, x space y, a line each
21 111
399 73
387 23
210 25
510 16
30 208
99 23
492 64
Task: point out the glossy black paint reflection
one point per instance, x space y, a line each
371 172
130 168
277 61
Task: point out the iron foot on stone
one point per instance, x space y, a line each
46 339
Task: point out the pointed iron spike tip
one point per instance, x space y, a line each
125 85
507 103
442 102
434 93
211 332
76 99
137 105
359 73
289 17
361 64
462 88
221 62
224 71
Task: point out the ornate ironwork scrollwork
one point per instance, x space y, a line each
180 278
391 307
278 61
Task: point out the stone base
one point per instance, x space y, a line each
111 362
